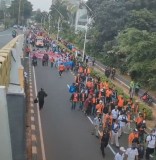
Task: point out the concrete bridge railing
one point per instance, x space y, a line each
12 101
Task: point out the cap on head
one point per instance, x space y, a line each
122 149
100 101
97 111
135 130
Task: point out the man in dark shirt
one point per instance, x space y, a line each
41 95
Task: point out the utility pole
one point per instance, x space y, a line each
49 22
58 28
19 12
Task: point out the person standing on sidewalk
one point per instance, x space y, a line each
41 95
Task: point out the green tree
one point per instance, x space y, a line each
139 49
37 15
142 19
25 10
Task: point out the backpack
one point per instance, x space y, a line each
124 119
72 89
135 140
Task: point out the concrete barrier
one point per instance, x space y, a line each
5 140
5 61
12 139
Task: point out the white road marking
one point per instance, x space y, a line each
39 121
68 85
5 35
100 134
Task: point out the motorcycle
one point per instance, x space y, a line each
34 62
147 98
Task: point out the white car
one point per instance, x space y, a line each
15 26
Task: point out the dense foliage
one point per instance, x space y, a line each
124 35
25 11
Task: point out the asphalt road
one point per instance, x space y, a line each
5 37
66 133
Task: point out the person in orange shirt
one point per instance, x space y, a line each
100 107
74 99
120 103
88 71
78 78
133 137
139 119
80 70
52 62
107 120
61 69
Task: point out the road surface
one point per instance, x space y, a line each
66 133
5 37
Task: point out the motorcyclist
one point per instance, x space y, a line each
14 33
34 60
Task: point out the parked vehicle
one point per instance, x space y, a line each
147 98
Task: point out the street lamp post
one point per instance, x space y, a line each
49 22
84 45
58 28
59 20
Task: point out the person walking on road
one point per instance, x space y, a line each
132 153
41 95
96 123
104 141
61 69
74 99
115 133
121 154
151 144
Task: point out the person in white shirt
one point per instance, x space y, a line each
132 153
123 121
96 123
115 135
120 155
151 144
115 113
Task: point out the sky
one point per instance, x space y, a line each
44 5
